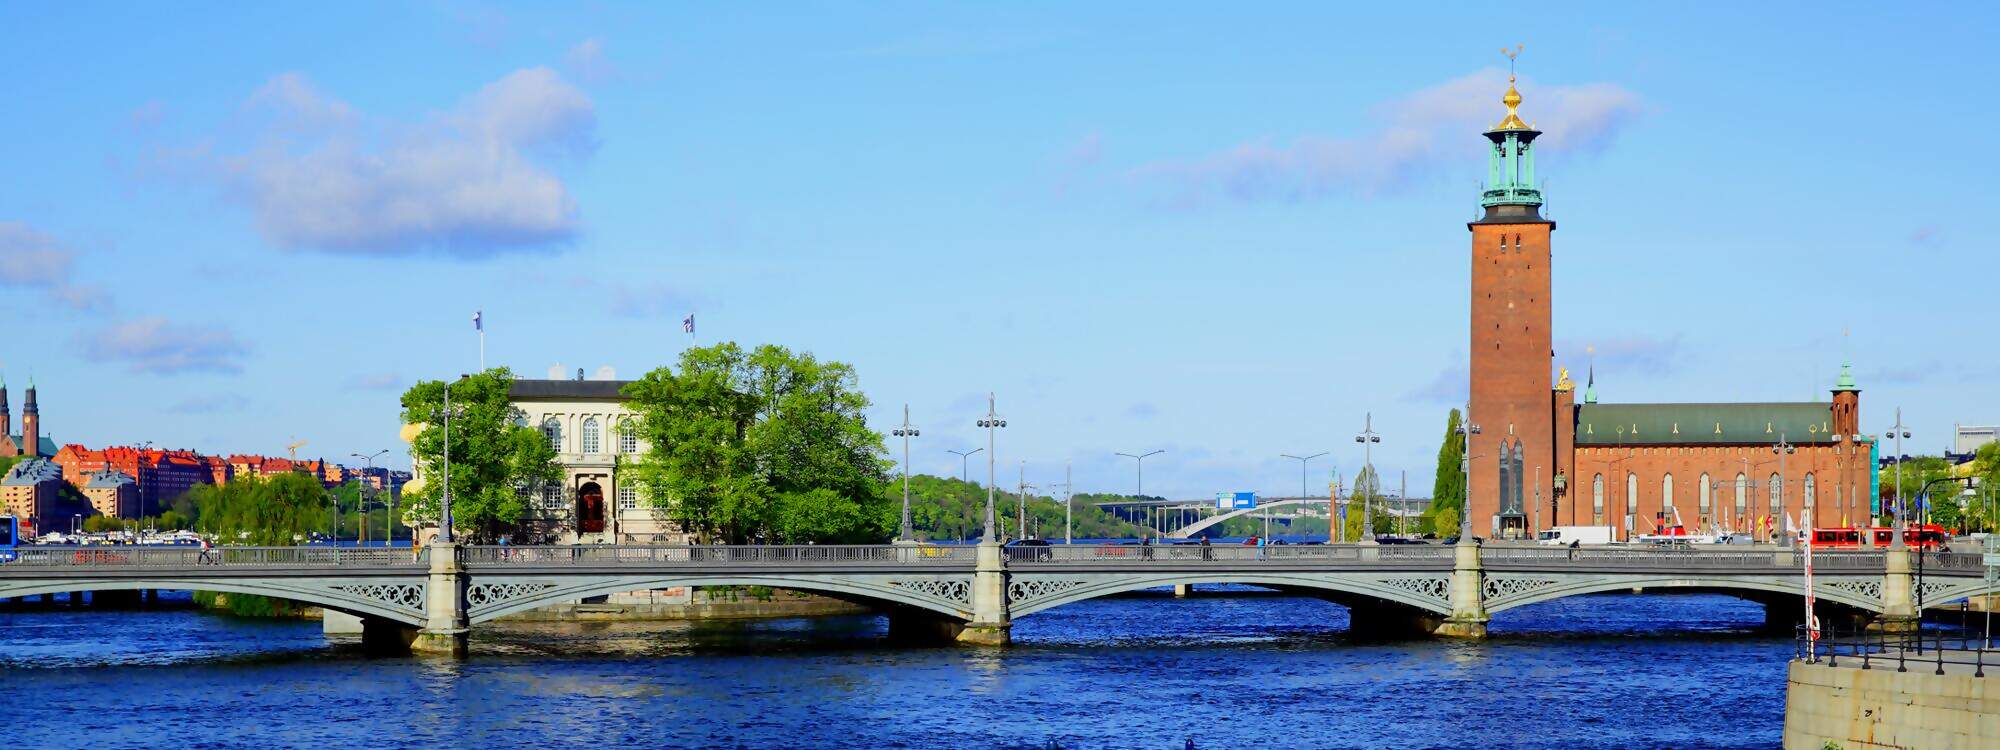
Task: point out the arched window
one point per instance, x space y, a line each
1742 498
1810 491
592 436
1776 492
1597 499
552 430
1667 497
1631 500
628 437
1707 491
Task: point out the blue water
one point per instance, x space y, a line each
1628 671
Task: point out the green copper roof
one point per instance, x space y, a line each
1846 381
1703 424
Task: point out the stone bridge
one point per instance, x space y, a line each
428 599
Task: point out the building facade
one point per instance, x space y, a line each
1540 459
112 493
31 491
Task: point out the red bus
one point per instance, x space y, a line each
1836 538
1921 536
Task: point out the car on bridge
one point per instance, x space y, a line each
1040 549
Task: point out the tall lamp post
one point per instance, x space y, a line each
991 422
1368 438
1302 484
906 431
444 512
1140 493
1466 430
370 473
964 468
1898 432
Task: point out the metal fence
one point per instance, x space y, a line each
1935 651
1124 553
1696 559
695 555
179 556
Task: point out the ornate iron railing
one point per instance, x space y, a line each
1697 559
1178 553
177 556
696 555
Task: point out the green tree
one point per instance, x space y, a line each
277 511
764 444
1448 489
496 461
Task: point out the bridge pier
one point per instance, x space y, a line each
445 624
1468 603
991 625
1899 606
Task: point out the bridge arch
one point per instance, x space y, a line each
1513 594
400 601
1420 591
1197 527
490 598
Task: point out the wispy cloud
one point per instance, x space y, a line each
30 259
470 181
210 404
158 346
588 62
1925 236
1638 353
374 381
1449 387
1415 136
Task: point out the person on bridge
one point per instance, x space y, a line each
204 559
1573 548
1206 553
1145 547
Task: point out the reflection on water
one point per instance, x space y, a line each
1136 672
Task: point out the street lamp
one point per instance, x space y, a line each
991 422
1466 429
445 414
1898 432
369 474
906 431
1368 438
1302 485
1140 493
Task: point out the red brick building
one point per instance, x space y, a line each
1539 459
162 475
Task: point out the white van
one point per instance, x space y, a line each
1563 535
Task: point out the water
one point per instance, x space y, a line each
1631 671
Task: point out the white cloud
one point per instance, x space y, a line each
374 381
1449 387
156 345
1415 135
471 181
588 61
30 259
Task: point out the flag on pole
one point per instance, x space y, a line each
478 320
687 323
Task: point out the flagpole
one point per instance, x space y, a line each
479 325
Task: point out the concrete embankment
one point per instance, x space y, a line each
728 603
1852 708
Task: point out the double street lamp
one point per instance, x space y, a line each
361 497
1330 511
445 414
906 431
1368 438
1898 432
1140 493
991 422
1466 429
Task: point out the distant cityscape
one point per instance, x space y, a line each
74 481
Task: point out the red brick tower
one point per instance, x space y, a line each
31 424
1511 397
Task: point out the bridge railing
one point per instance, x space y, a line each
1646 557
1181 553
145 556
699 555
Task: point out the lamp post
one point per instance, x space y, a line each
1140 493
991 422
1466 430
964 465
906 431
1021 503
1368 438
444 512
1898 432
1302 483
370 459
1784 448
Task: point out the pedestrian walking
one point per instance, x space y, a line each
205 559
1573 549
1206 553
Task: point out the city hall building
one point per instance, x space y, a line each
1541 459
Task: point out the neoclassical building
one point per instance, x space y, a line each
585 422
1540 459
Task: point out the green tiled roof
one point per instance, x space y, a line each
48 445
1703 424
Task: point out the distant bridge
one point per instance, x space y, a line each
428 599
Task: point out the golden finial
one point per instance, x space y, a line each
1513 120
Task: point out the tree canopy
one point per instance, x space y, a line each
1448 489
497 462
766 444
280 510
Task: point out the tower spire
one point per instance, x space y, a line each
1510 174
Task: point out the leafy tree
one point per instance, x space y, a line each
1916 473
765 444
1448 489
496 460
1445 522
276 511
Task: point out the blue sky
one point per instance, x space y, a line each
1226 232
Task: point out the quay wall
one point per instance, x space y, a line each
1867 709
